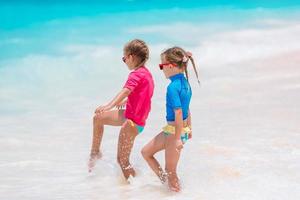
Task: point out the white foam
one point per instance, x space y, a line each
244 128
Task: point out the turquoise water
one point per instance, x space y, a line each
31 26
60 60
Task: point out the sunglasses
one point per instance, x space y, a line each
161 66
124 58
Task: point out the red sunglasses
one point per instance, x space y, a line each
161 66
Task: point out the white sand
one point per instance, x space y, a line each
245 145
246 116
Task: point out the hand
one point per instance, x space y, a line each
121 105
179 145
102 109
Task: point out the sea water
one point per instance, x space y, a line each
59 60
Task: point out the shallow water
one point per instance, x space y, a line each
246 112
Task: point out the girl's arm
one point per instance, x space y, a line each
189 123
178 128
122 104
116 101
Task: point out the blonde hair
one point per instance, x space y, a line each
139 49
181 58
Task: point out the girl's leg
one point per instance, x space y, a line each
113 118
172 157
125 144
155 145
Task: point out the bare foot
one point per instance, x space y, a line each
128 171
173 182
162 176
93 159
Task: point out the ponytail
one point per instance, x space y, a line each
189 54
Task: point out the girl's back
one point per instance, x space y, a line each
141 84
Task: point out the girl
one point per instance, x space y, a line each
178 128
138 90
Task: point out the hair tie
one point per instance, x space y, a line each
189 54
184 59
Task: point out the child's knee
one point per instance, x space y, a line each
97 118
145 153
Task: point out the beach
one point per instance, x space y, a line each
245 113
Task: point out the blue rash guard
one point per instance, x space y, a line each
179 94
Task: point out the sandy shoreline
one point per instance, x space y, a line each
245 145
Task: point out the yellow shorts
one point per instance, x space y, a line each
169 129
